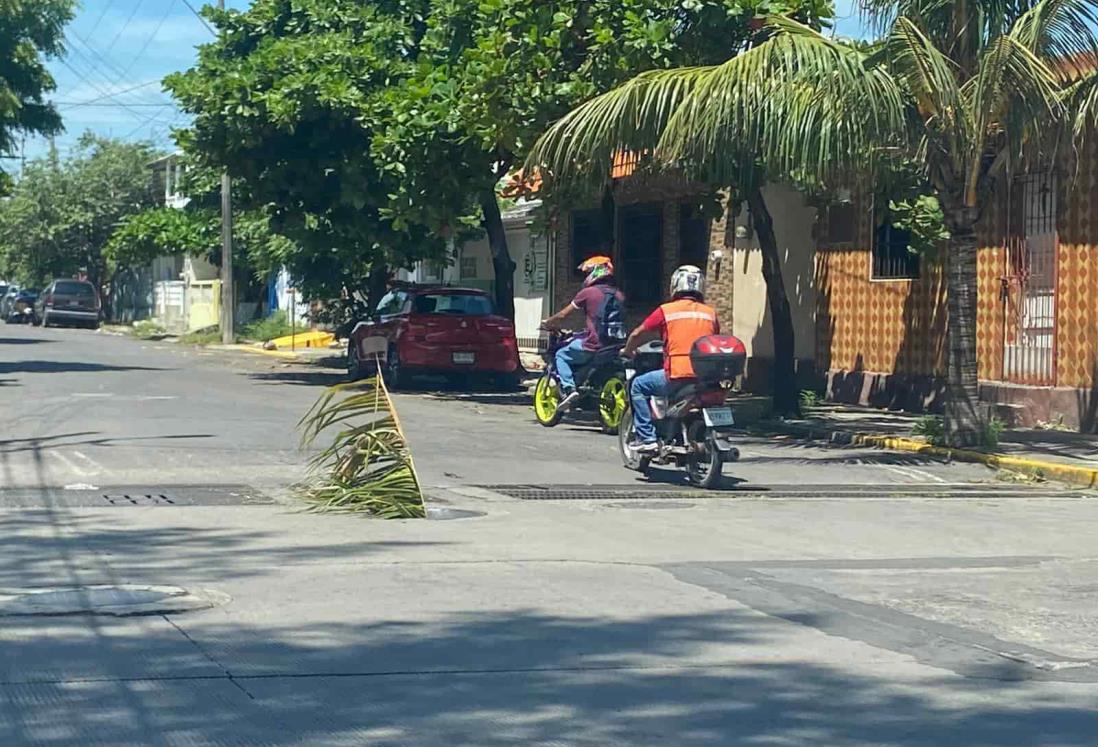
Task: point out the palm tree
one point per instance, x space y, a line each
972 90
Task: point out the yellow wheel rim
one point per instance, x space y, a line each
546 399
612 401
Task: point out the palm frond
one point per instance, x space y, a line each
367 466
799 102
581 146
1061 32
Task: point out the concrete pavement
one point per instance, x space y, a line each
885 607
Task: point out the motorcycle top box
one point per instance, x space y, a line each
718 358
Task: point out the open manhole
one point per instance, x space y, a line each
119 600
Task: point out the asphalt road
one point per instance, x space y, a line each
836 597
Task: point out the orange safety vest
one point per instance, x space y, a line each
685 320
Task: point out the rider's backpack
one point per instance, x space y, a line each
610 322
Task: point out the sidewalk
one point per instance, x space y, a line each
1061 455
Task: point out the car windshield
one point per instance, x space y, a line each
73 288
468 304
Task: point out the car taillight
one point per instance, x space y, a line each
49 301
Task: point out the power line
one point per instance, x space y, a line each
89 102
152 36
106 6
125 26
98 88
199 17
106 105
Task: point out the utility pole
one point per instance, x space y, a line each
228 299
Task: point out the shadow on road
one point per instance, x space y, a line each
497 678
67 367
15 445
23 340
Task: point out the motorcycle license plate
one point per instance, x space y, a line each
464 359
718 417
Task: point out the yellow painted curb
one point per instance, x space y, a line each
1087 477
283 354
311 339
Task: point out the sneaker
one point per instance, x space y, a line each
569 401
647 447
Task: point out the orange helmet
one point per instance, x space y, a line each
596 268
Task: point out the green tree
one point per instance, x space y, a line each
970 91
195 230
62 212
290 99
380 130
29 31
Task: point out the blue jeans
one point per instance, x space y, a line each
651 384
570 357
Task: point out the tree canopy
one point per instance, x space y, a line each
29 31
380 130
63 211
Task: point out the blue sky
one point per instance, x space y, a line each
120 50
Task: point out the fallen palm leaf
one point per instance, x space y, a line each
368 466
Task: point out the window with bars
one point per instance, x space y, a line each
468 268
590 235
892 255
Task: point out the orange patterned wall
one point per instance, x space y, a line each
877 325
1077 273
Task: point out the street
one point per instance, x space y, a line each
831 596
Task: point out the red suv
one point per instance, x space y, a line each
435 330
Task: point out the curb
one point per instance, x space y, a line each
1086 477
283 354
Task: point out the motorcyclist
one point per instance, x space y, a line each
680 322
601 302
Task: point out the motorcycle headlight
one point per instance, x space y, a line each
727 384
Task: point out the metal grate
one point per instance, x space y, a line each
1029 284
793 492
127 496
148 499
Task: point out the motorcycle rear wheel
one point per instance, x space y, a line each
704 466
613 399
627 436
546 401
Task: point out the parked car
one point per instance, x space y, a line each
74 302
453 332
21 307
7 295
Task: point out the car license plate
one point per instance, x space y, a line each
718 417
464 359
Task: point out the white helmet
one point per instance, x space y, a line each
688 279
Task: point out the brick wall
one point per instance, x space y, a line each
666 191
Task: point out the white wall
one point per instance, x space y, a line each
793 227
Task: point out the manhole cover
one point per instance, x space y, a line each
652 505
121 600
436 513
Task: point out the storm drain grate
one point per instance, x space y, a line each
601 493
133 496
789 492
147 499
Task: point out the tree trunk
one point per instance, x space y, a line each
784 374
965 419
502 263
377 284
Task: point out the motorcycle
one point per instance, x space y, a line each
693 422
600 383
21 310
